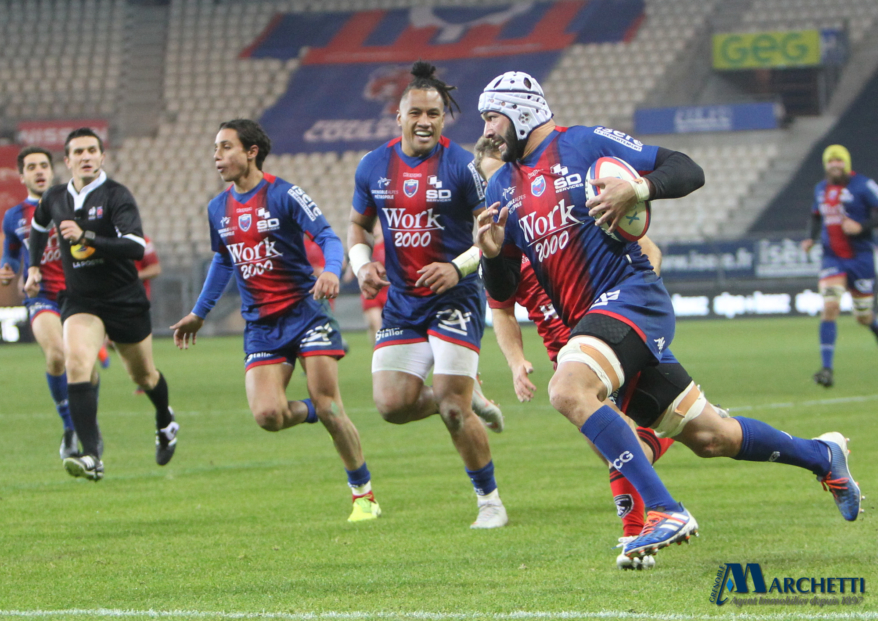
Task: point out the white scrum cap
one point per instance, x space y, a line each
519 97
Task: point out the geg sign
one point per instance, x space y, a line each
762 50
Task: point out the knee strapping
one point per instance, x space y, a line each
573 352
688 405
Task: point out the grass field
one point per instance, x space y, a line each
249 524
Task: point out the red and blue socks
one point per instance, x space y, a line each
360 482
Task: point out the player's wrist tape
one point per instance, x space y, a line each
467 262
360 255
641 189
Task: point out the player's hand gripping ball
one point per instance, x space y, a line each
635 222
81 251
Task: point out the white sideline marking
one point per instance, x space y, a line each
431 616
809 403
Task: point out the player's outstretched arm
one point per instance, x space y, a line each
509 339
186 330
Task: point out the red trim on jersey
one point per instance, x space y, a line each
623 319
560 128
269 177
403 342
335 353
454 341
445 142
394 141
44 310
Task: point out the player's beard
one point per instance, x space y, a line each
514 146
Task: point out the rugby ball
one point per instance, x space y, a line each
635 222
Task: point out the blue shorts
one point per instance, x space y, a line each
38 305
642 303
456 316
859 272
307 329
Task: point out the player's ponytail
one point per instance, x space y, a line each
425 79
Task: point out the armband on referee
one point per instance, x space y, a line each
467 262
360 255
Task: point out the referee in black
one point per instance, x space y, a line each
100 238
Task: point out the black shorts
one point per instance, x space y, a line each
647 395
124 312
632 352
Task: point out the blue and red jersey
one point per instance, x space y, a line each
856 200
260 236
425 206
16 228
575 261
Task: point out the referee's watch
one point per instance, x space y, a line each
87 238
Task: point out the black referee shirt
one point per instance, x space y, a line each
110 211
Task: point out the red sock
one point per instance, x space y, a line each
658 445
103 355
629 504
368 495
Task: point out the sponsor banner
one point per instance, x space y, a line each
715 302
355 65
52 134
722 118
767 50
14 325
747 258
834 46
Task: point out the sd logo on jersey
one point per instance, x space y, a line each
244 221
410 187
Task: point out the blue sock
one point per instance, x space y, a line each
763 442
828 331
358 477
312 413
58 388
483 479
618 444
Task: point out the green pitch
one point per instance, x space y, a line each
248 524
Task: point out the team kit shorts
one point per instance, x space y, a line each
307 329
38 305
124 312
859 272
442 332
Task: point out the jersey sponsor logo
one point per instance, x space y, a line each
387 333
305 202
410 187
548 311
452 320
254 260
266 222
244 221
96 213
565 181
227 231
660 343
559 170
480 183
411 175
606 298
507 192
538 186
383 182
398 219
537 227
620 137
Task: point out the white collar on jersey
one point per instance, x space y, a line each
79 197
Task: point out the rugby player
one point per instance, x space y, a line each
100 238
36 173
620 314
257 229
844 212
425 191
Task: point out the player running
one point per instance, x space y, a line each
844 213
36 173
425 191
100 237
257 228
621 315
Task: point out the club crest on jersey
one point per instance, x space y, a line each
538 186
96 213
244 221
410 187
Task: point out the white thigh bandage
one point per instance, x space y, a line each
862 305
673 419
572 352
832 293
453 359
411 358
